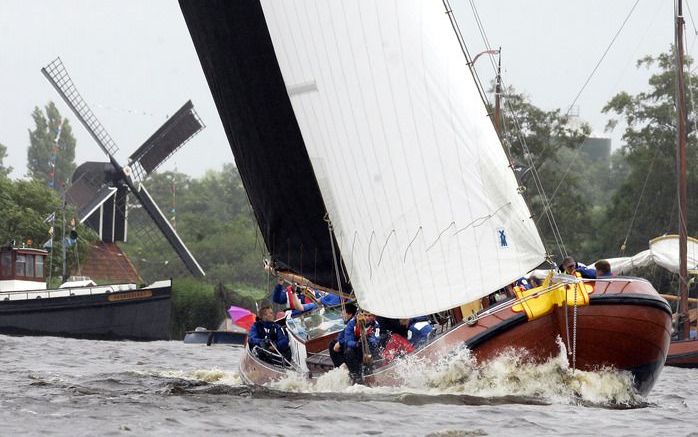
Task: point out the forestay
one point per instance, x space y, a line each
424 207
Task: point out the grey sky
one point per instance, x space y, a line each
134 63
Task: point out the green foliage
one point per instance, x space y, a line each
649 151
213 218
4 171
25 205
47 148
194 303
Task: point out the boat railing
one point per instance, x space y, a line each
557 280
64 292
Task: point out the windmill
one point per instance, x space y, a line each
100 190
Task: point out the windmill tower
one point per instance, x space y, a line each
99 190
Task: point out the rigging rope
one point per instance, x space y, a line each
547 210
603 56
639 200
656 152
693 22
334 258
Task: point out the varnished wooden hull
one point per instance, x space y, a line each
683 353
258 372
255 371
626 326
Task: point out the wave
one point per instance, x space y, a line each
511 377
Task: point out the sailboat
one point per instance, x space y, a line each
374 170
664 252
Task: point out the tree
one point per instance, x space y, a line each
547 141
645 206
213 218
51 153
4 171
25 207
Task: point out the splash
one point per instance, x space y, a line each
511 374
208 376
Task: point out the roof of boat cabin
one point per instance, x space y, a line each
24 250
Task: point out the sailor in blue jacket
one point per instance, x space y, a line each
281 295
338 346
353 350
571 267
267 335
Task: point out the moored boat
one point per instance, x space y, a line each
209 337
79 308
683 353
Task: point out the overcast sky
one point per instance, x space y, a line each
134 63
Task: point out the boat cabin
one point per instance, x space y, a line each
22 269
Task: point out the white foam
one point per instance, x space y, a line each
210 376
511 373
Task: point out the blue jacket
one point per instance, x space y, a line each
279 295
586 272
351 341
261 330
330 300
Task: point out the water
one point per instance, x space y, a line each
56 386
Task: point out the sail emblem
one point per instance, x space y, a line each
502 238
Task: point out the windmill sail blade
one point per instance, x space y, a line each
172 135
56 73
164 225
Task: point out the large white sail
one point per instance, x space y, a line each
416 183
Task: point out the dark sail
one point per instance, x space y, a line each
237 56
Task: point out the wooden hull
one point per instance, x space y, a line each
683 353
626 326
257 372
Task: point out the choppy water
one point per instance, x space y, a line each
55 386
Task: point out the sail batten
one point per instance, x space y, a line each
418 189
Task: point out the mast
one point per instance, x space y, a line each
683 322
498 94
64 276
